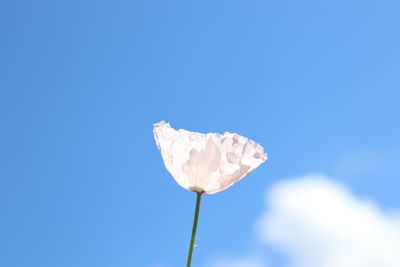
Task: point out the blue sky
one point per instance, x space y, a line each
82 82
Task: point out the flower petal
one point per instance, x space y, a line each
207 163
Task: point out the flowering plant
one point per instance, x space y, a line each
206 163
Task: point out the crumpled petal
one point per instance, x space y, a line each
207 163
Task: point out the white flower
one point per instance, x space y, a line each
207 163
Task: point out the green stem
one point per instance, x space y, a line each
196 219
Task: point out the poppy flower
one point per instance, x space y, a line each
206 163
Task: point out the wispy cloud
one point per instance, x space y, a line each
319 223
316 222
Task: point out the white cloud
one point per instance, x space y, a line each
318 223
238 262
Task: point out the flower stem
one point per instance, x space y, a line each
196 219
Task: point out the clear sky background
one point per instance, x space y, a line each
316 83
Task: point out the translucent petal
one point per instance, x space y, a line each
207 163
